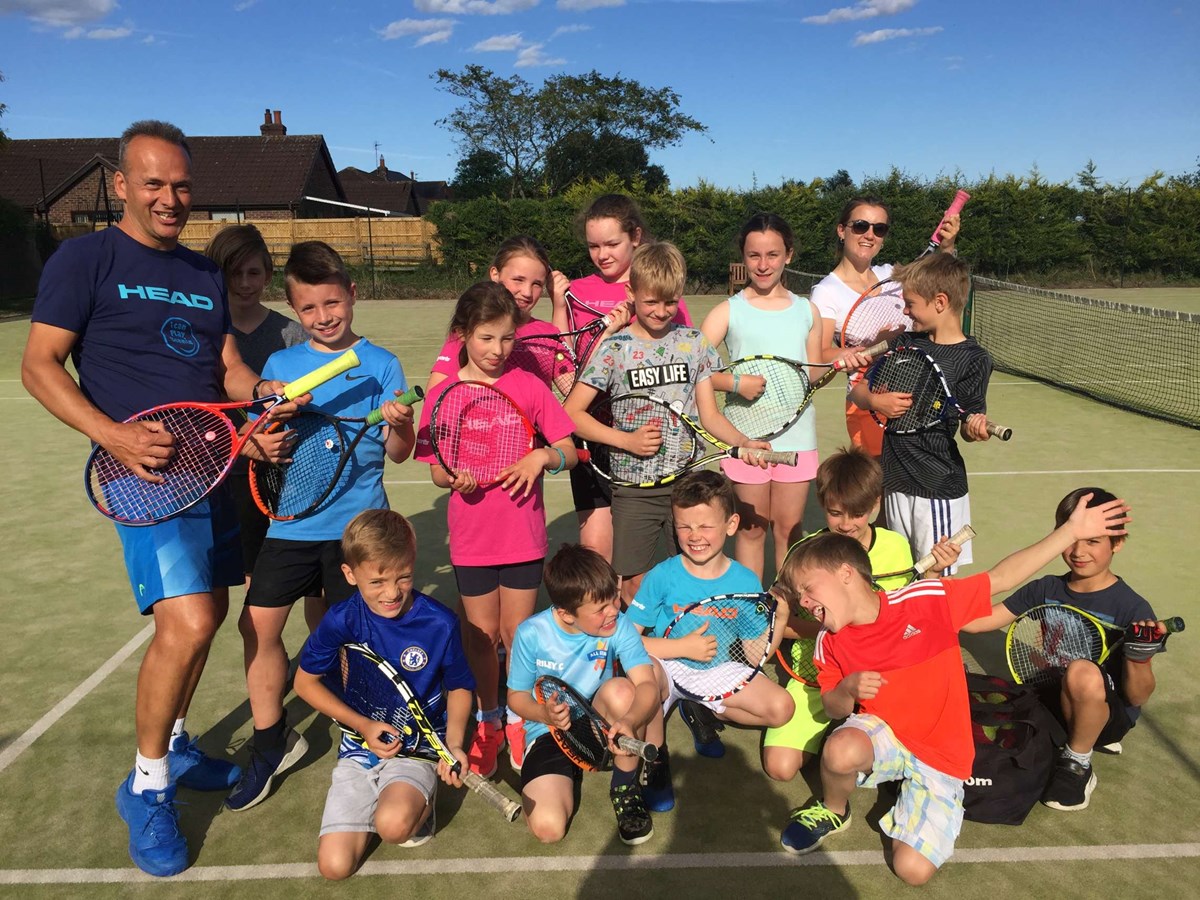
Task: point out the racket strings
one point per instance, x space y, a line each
203 447
477 429
585 739
774 409
295 487
549 358
876 316
367 691
1043 645
742 628
679 445
908 372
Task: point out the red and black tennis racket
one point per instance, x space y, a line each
586 742
206 443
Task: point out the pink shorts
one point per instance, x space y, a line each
743 473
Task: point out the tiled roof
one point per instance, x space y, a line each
369 189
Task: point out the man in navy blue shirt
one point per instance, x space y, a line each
145 322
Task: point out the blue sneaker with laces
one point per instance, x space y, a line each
156 845
255 784
811 825
190 768
705 727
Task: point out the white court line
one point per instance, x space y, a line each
525 864
42 725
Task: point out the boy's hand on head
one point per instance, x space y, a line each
863 685
697 645
1105 520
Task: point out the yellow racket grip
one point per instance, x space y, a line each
304 384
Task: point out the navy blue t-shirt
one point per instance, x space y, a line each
151 323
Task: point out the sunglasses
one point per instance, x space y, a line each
860 226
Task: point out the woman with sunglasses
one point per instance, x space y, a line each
861 229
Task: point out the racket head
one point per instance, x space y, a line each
908 370
877 315
365 683
628 413
477 428
1043 641
585 743
779 405
744 626
288 491
549 357
205 447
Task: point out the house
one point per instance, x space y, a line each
384 188
69 180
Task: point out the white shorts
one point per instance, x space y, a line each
674 695
924 522
354 792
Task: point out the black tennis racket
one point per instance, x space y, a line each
744 628
371 686
786 393
322 448
586 742
685 443
1043 641
206 443
909 370
584 337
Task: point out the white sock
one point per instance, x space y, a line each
149 774
512 718
1084 759
178 728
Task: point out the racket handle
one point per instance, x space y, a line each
643 749
955 207
779 457
510 809
1174 625
960 537
409 398
872 351
304 384
1000 431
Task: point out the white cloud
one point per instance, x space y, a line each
148 39
864 9
533 56
404 27
584 5
569 29
109 34
474 7
59 13
244 5
890 34
500 42
436 37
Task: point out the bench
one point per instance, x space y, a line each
737 278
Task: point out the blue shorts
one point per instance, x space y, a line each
190 554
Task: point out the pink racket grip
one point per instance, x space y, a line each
960 200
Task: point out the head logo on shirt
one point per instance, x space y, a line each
414 658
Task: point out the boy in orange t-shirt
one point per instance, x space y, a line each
890 662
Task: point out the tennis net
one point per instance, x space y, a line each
1138 358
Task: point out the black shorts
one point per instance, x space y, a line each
1118 723
475 581
288 570
588 490
545 757
252 524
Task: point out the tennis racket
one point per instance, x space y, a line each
477 428
909 370
206 444
744 627
323 446
549 357
924 564
787 392
685 443
586 742
373 687
1043 641
878 313
586 336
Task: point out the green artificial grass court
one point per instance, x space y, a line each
68 612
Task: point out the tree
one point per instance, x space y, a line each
508 117
480 174
582 155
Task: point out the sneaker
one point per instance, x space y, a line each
1114 748
190 768
425 833
633 822
811 825
485 748
1071 785
704 726
255 783
657 791
514 733
156 845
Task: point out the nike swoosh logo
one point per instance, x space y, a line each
350 377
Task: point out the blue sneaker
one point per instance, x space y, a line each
156 844
811 825
704 725
255 784
190 768
657 792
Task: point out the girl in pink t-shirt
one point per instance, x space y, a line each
522 265
497 533
613 228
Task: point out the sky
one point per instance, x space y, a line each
787 90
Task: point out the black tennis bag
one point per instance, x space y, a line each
1016 738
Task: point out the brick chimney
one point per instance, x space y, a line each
269 127
382 168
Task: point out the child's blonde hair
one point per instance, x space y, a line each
658 270
938 273
382 536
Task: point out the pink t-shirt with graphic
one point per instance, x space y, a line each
604 296
447 361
